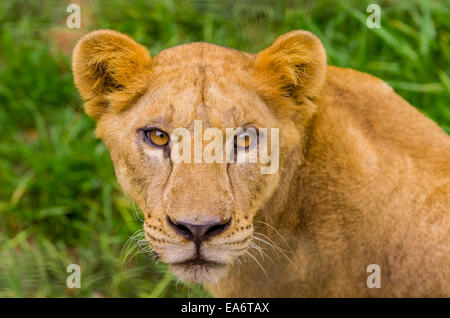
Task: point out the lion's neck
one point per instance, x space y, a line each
301 228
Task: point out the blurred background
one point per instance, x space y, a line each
59 200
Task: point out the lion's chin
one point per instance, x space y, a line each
202 273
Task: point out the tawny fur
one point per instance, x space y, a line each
364 177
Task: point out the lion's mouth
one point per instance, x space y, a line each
198 262
199 270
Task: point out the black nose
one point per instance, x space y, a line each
198 232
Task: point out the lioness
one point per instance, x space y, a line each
363 178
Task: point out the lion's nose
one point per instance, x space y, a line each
199 232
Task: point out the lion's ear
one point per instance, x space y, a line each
294 65
110 70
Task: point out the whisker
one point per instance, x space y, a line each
135 244
135 212
126 246
275 247
268 238
254 258
267 243
276 231
261 252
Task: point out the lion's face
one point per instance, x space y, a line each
218 200
198 214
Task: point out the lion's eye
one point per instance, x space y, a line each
246 139
157 138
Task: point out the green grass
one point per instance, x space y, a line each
59 199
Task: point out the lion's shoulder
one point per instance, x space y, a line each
370 105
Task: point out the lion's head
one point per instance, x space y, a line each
198 214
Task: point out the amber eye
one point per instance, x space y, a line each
246 139
157 138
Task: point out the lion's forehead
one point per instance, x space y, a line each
218 93
201 52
